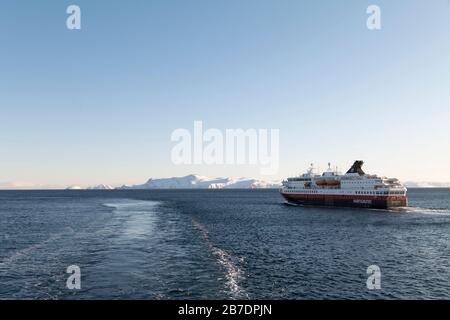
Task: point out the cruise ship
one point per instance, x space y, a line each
352 189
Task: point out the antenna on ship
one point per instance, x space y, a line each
311 168
330 170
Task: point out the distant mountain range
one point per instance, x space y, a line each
194 181
98 187
424 184
200 182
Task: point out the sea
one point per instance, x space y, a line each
219 244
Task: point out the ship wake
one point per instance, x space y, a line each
434 211
233 274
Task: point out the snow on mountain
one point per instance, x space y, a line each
98 187
74 188
200 182
101 187
427 184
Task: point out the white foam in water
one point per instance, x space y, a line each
23 253
436 211
233 273
138 216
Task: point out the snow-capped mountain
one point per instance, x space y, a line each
74 188
201 182
98 187
101 187
427 184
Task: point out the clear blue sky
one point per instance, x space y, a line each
98 105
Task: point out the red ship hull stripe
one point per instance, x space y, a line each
339 196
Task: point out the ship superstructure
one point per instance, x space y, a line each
352 189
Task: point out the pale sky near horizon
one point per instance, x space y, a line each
98 105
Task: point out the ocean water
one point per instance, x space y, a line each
219 244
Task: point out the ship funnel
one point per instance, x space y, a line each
356 168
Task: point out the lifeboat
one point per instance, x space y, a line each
328 183
333 182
